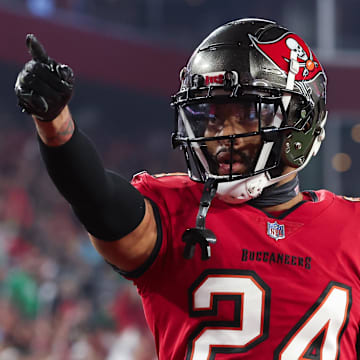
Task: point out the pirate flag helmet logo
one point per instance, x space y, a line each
278 52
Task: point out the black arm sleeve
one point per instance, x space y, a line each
106 204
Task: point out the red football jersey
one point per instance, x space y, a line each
274 288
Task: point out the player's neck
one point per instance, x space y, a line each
286 205
281 196
298 196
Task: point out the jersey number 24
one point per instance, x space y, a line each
316 336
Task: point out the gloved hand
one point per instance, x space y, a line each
43 86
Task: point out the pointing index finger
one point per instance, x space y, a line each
36 50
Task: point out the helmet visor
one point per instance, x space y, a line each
226 135
219 119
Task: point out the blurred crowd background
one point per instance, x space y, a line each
58 299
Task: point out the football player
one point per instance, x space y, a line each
232 260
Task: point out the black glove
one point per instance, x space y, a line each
43 86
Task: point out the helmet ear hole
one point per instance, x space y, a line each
311 122
299 142
307 126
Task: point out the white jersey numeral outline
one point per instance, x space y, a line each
249 327
316 336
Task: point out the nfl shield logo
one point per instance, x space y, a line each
275 230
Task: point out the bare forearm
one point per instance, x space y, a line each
58 131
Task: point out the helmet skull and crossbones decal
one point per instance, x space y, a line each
278 52
308 62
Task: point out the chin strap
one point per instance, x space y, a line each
204 237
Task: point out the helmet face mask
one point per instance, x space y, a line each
239 113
